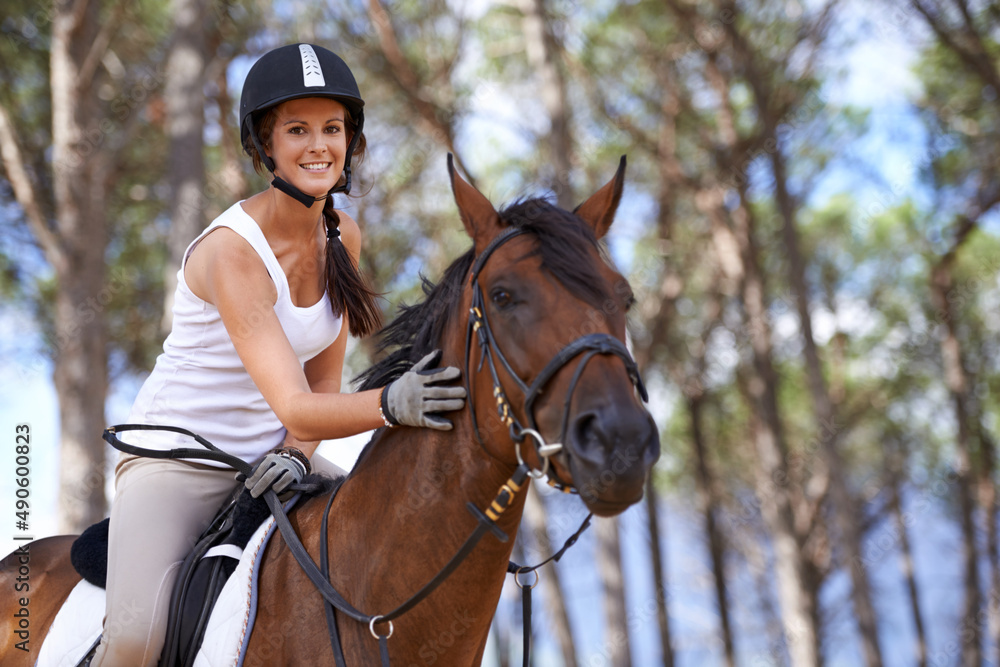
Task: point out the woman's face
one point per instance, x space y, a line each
309 142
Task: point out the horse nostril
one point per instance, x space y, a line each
588 436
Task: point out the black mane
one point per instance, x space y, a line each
565 243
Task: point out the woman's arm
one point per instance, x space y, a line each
323 373
225 271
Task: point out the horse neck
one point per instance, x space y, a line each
414 485
426 477
430 475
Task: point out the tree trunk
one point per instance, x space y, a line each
80 168
775 489
733 235
988 502
659 574
185 98
709 506
797 613
232 178
823 407
543 54
895 468
970 633
615 650
535 515
772 487
964 29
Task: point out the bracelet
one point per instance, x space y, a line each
383 409
293 453
300 456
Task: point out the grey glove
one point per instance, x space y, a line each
277 471
417 395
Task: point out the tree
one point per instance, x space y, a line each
200 52
770 111
94 101
969 170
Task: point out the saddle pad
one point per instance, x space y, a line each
79 621
232 617
75 628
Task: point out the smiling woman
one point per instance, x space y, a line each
292 119
308 143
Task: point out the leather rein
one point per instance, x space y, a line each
479 327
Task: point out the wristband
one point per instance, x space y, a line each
383 409
293 453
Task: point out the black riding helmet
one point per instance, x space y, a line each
290 72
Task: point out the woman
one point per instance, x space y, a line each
266 296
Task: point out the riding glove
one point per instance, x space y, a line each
416 397
277 471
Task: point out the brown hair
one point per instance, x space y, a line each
350 291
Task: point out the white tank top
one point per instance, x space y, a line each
199 382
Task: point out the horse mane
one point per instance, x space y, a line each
565 243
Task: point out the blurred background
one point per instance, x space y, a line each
810 225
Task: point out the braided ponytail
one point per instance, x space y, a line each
349 290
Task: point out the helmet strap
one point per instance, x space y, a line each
306 200
346 187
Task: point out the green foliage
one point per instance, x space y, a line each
129 86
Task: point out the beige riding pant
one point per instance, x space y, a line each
160 509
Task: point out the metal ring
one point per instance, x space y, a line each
545 450
534 474
371 628
518 581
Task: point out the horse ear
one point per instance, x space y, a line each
599 210
478 215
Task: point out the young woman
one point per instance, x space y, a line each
265 299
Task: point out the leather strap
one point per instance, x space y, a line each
516 570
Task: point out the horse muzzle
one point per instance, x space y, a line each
611 450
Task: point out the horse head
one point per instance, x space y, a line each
546 340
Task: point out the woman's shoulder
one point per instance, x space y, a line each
221 256
225 243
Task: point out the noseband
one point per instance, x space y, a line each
589 345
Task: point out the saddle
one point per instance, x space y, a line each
201 576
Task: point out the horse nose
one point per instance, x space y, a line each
626 443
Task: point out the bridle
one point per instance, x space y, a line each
589 345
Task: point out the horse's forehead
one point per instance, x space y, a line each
524 254
519 262
521 252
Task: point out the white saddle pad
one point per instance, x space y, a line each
75 628
79 622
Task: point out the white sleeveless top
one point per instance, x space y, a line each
199 382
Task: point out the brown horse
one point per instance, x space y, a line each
545 349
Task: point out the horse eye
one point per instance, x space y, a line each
501 297
629 302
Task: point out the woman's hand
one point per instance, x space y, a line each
417 396
277 471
